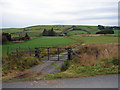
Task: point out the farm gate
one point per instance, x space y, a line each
42 52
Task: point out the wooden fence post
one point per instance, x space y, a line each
48 53
7 51
29 51
96 54
17 52
58 54
37 52
69 53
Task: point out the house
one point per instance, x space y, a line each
63 34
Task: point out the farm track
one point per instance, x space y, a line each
51 66
48 66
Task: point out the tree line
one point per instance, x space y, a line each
105 30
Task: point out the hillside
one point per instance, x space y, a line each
34 31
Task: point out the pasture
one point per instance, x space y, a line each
39 42
97 40
75 32
76 67
35 31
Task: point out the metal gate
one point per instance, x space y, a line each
43 52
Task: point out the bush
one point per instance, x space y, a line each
4 39
101 27
8 36
65 66
105 32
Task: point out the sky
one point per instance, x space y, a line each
24 13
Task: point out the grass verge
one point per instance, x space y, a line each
13 66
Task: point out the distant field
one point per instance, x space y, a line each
34 31
116 31
75 32
98 40
39 42
91 29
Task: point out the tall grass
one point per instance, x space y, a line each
87 64
92 53
13 66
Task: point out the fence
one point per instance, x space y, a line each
36 52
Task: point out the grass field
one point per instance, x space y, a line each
75 32
91 29
39 42
97 40
34 31
116 31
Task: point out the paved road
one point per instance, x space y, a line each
104 81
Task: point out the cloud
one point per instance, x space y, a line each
21 13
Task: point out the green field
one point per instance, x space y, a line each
97 40
39 42
116 31
91 29
75 32
35 31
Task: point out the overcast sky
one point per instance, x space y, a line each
23 13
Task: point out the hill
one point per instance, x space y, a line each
35 31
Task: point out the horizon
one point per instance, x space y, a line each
50 25
25 13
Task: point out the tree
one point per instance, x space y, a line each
51 32
4 39
108 28
48 33
45 32
26 35
101 27
105 32
7 35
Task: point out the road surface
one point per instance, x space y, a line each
103 81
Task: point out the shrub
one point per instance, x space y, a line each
101 27
105 32
8 36
65 65
4 39
45 33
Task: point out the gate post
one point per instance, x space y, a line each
37 52
48 53
96 54
58 55
17 51
69 54
7 50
